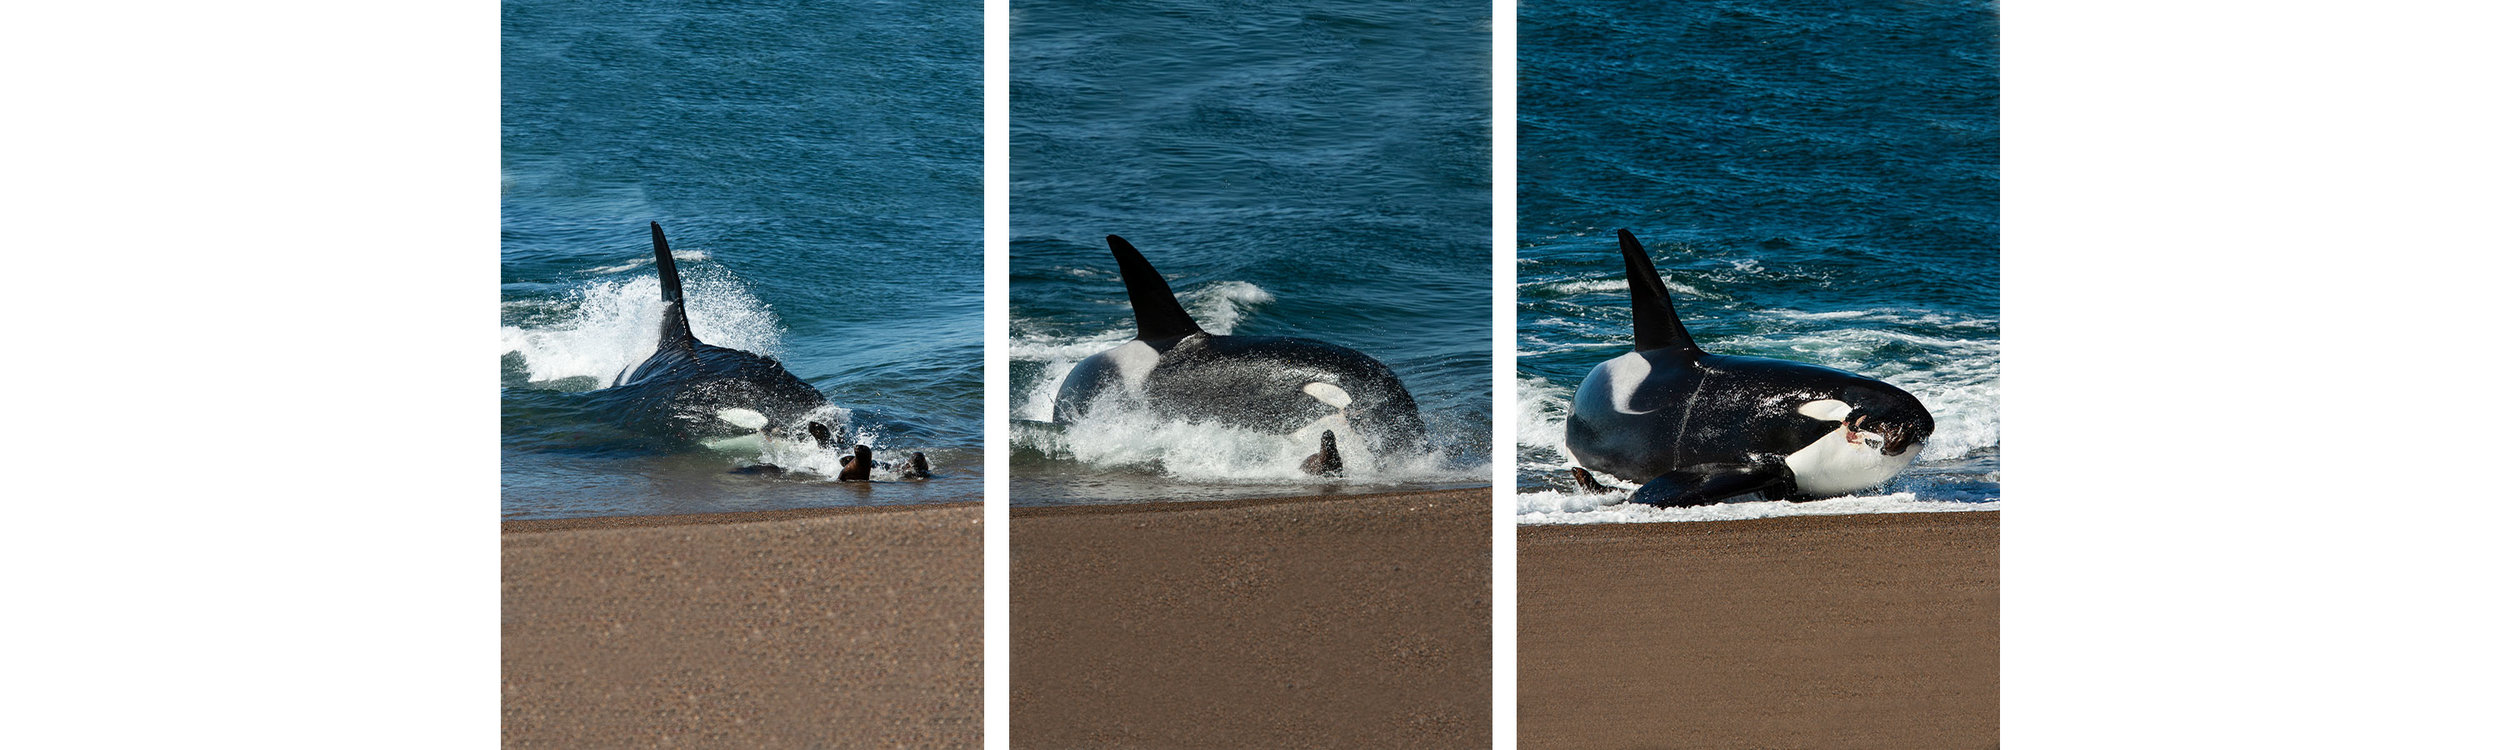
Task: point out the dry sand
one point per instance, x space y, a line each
1873 631
826 628
1348 622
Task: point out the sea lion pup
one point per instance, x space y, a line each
1326 462
825 438
855 467
1587 483
918 468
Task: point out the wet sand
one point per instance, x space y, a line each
823 628
1874 631
1361 621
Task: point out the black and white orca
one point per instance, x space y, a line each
693 392
1280 385
1703 428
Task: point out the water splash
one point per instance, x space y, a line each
600 329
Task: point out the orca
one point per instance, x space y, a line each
1279 385
695 392
1701 428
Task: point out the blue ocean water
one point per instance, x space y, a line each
818 169
1313 169
1816 181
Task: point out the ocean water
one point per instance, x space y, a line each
1815 180
1313 169
818 170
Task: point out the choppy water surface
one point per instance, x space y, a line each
1312 169
818 169
1816 181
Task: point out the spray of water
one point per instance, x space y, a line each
603 327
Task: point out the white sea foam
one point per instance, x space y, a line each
797 453
1112 437
1901 317
1573 507
681 256
1615 286
603 327
1220 306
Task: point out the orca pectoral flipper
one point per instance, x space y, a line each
1707 484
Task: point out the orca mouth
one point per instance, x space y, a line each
1888 439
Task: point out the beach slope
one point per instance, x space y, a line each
1802 632
1359 621
828 628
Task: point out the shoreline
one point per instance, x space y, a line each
1860 630
635 521
848 626
1356 620
1163 506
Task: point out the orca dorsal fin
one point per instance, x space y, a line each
1654 324
1159 314
674 330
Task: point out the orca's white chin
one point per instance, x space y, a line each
1845 461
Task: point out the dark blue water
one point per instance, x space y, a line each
1314 169
1816 181
818 168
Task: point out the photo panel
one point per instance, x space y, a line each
1759 371
742 445
1250 372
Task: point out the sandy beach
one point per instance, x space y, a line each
1875 631
1359 621
849 627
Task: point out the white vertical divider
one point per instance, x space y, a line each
1505 454
994 612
